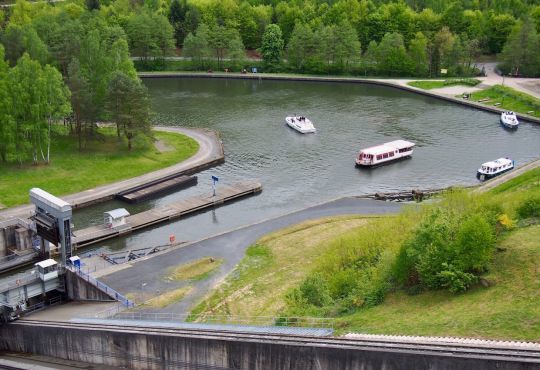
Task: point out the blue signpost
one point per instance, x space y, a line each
214 180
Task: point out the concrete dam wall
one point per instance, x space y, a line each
154 348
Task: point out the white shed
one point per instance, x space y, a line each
116 217
47 269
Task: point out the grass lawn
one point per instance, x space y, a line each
276 263
509 99
197 270
104 160
437 84
527 180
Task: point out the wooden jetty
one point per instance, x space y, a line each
225 193
157 187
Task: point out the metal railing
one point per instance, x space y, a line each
19 280
119 313
101 286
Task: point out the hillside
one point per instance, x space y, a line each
502 304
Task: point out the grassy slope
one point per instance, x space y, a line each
437 84
509 99
508 309
276 263
104 161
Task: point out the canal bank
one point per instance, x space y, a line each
150 276
210 153
394 83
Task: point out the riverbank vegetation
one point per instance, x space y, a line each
437 84
102 161
465 265
509 99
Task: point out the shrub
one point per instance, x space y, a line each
530 207
454 279
315 290
446 251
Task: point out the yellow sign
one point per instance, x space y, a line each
444 71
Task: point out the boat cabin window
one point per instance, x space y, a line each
379 156
402 150
385 155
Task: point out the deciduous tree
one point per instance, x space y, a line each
272 45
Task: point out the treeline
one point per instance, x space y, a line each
65 63
364 37
369 37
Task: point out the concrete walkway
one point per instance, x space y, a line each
210 152
149 277
529 86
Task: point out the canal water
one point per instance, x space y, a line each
298 170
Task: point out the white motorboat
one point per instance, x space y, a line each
509 119
301 124
383 153
494 168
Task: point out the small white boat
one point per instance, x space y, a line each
383 153
509 119
494 168
301 124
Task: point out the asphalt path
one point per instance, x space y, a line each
148 277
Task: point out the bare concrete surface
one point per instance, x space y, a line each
149 277
70 310
529 86
490 184
28 361
210 149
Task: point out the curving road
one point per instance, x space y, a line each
150 274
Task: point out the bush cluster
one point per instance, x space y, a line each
448 250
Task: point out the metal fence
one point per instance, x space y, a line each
120 313
103 287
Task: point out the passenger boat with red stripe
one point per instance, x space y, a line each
387 152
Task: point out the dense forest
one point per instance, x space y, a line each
82 52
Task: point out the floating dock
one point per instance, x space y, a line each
157 187
225 193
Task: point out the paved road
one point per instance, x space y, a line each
149 275
210 149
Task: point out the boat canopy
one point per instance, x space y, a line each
501 162
388 147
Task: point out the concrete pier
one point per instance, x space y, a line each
168 212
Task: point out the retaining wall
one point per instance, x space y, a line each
80 290
123 348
